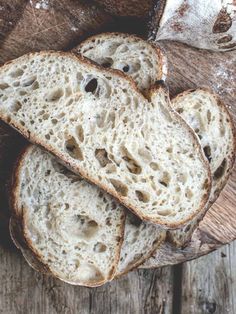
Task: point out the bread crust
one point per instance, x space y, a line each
20 236
72 166
140 261
230 158
156 49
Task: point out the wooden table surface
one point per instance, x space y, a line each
205 285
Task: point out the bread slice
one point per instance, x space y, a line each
211 121
142 61
141 239
81 113
78 238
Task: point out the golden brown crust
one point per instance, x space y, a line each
72 165
19 241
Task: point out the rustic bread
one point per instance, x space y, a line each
203 24
76 236
141 239
81 113
141 60
211 121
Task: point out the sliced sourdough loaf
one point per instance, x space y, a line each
137 58
80 112
76 237
211 121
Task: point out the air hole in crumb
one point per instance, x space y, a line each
16 84
220 170
16 73
91 86
208 116
180 110
207 152
120 187
73 149
108 220
84 227
134 220
142 196
166 212
145 154
188 193
154 166
126 68
107 62
45 116
3 86
54 121
28 81
182 178
99 247
165 180
131 164
101 155
48 172
55 95
16 106
80 133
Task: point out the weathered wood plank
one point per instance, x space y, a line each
209 283
24 291
27 26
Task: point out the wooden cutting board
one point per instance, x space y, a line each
36 25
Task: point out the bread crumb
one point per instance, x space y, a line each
74 28
42 4
224 76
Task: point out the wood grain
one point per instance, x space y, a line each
24 291
209 283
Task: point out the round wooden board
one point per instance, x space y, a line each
63 26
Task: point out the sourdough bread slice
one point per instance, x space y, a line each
75 236
80 112
139 59
141 239
211 121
